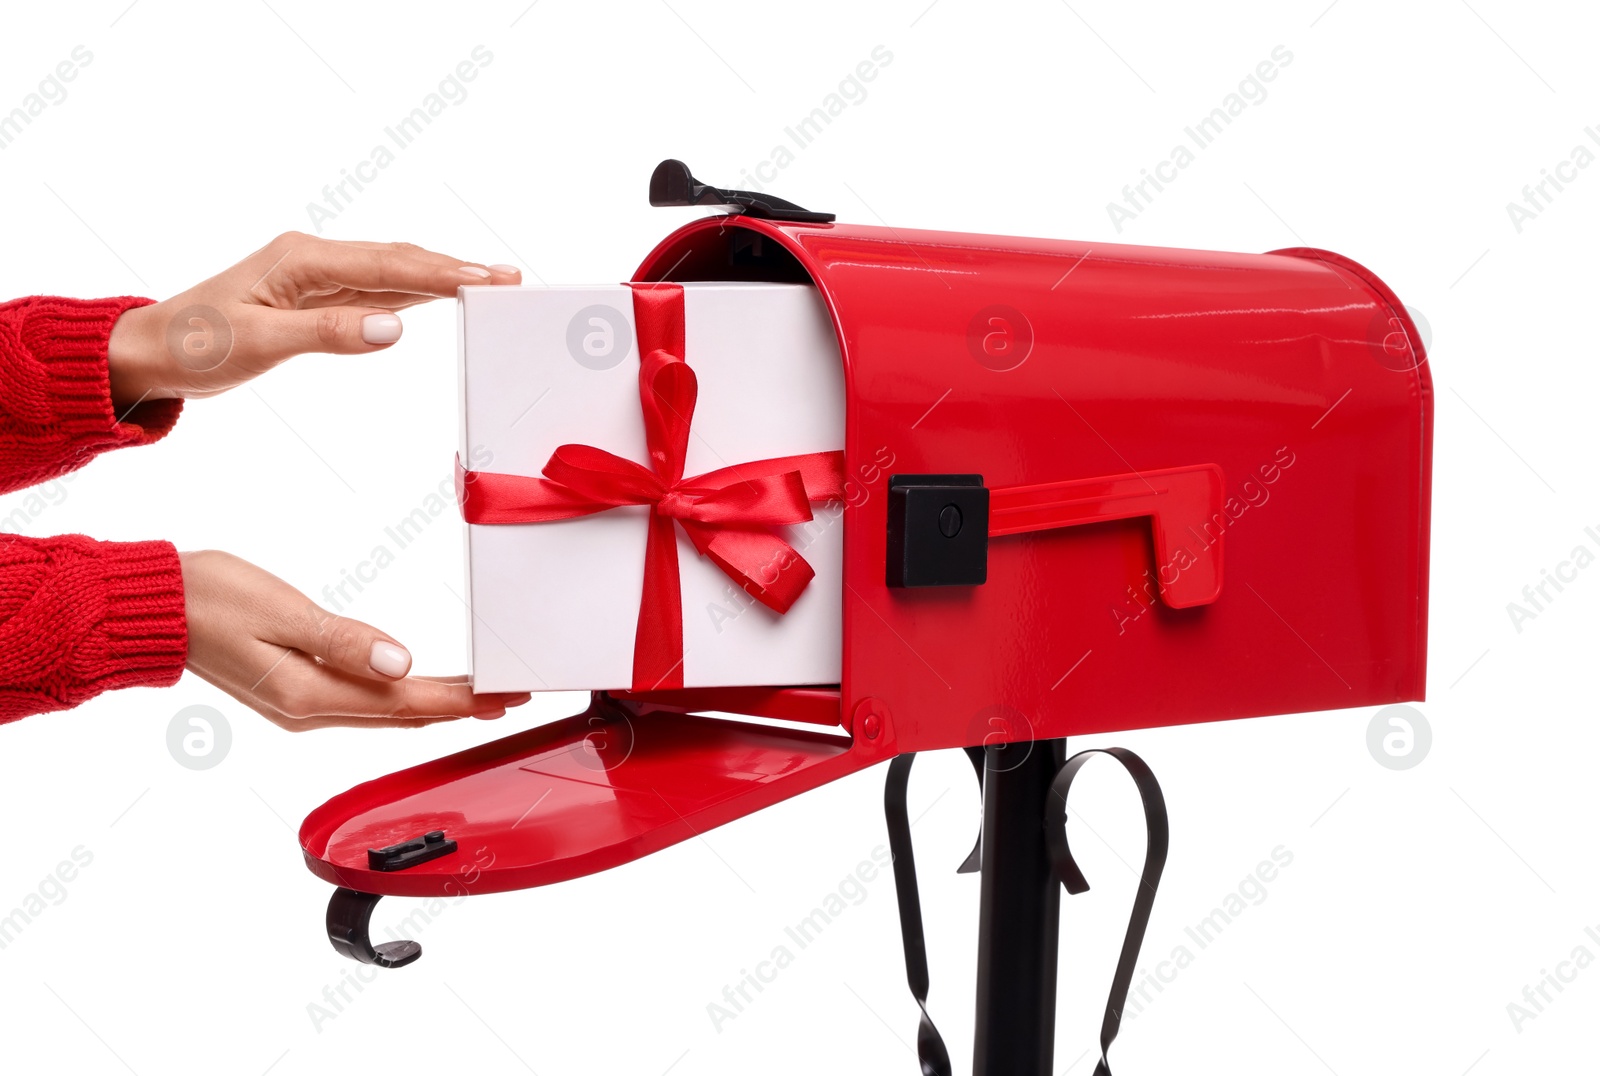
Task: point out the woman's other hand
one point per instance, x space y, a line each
297 294
300 666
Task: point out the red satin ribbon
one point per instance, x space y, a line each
726 513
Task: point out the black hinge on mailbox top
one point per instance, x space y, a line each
938 530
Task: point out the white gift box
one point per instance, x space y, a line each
555 605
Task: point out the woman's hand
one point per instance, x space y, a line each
301 667
297 294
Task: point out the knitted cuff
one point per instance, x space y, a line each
69 338
143 636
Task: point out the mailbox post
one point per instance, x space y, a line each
1019 914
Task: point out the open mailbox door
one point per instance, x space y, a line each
1089 488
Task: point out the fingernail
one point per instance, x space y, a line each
475 270
380 328
388 659
489 715
518 699
507 269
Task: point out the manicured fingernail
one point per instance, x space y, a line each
389 660
477 271
380 328
489 715
507 269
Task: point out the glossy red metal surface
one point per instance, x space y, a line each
1029 361
566 799
1114 399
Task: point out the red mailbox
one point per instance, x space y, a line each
1090 487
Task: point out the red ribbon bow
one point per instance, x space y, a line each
726 513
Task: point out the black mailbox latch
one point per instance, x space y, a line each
938 530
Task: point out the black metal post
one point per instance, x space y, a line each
1019 916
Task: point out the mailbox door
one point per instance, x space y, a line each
1296 376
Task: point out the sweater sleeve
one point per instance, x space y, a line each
55 389
78 617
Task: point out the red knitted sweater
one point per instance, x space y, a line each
77 616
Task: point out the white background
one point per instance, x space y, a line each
1419 902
